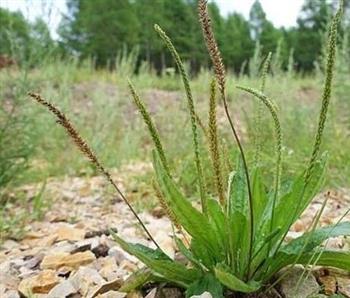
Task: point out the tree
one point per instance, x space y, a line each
257 18
262 30
237 46
312 25
14 34
27 43
100 29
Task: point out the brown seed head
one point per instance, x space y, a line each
211 43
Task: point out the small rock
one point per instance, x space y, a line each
62 290
88 274
9 278
63 259
158 212
344 286
47 241
128 266
106 232
299 226
70 233
86 280
308 284
100 251
11 294
33 262
152 294
38 284
9 245
117 253
112 294
335 243
109 269
172 292
329 284
2 289
64 271
109 286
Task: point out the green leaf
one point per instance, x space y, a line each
238 192
260 249
337 259
309 241
233 282
193 221
207 283
260 197
294 202
137 280
219 223
239 222
187 253
160 263
202 254
297 250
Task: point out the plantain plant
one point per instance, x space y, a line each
236 240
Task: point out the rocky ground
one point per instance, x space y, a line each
70 253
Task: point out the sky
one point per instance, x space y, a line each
280 12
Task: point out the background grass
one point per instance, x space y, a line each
99 104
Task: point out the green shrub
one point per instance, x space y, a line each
237 241
15 144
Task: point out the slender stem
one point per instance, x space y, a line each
108 176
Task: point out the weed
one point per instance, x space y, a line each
238 245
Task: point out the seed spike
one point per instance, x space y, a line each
258 129
87 151
214 144
219 69
327 89
150 125
191 108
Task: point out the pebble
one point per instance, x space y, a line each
71 254
62 290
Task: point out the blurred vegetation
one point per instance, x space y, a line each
100 30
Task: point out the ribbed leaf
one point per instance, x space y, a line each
238 192
193 221
207 283
202 254
306 244
294 202
187 253
219 224
260 201
233 282
160 263
336 259
309 241
261 249
239 223
137 280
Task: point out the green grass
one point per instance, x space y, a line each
101 106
